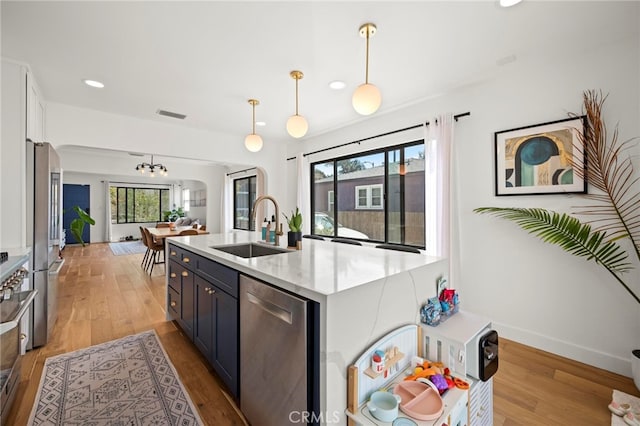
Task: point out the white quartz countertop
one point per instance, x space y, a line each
321 267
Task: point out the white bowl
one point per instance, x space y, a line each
384 406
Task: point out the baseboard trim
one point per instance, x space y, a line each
579 353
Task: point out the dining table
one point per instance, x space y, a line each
162 233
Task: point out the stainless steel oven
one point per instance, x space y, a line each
13 304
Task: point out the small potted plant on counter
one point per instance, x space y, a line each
295 227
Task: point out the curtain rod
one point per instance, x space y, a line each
241 171
455 117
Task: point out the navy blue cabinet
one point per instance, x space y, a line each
204 304
208 310
180 296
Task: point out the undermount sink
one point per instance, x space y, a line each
248 250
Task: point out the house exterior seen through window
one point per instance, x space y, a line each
376 196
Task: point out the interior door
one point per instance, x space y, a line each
75 195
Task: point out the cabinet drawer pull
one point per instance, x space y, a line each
185 274
172 275
185 260
173 253
173 303
23 336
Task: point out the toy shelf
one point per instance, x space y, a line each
387 365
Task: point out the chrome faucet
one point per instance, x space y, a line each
278 225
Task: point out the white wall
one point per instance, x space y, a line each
534 292
69 125
199 212
80 168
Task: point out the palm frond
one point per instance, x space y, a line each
570 234
608 167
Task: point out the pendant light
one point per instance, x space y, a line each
296 124
253 142
366 99
152 168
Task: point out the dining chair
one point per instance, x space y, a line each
189 232
346 241
162 225
398 248
313 237
144 241
156 248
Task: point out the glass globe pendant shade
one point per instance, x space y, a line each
297 126
253 142
366 99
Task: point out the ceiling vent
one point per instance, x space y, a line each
171 114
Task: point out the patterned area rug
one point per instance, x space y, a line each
129 381
127 247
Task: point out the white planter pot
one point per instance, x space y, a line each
635 367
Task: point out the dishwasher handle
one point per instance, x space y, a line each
270 308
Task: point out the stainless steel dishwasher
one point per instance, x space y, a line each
279 353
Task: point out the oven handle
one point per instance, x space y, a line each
24 305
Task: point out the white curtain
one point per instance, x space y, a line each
107 210
303 201
438 187
226 205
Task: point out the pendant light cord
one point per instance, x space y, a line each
296 96
366 74
253 122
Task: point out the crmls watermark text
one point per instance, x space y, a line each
307 417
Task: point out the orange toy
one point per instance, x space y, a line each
424 372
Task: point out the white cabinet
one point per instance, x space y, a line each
481 403
35 110
23 116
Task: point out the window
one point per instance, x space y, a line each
369 197
186 194
330 201
138 205
377 195
244 195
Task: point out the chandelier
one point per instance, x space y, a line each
152 168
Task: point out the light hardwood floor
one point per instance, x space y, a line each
103 297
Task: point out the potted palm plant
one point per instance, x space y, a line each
77 225
610 170
295 227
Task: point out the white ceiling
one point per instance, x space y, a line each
205 59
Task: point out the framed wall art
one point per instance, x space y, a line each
540 159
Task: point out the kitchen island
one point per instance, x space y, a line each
362 293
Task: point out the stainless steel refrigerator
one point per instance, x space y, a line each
44 222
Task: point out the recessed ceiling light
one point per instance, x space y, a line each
509 3
337 85
94 83
261 123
